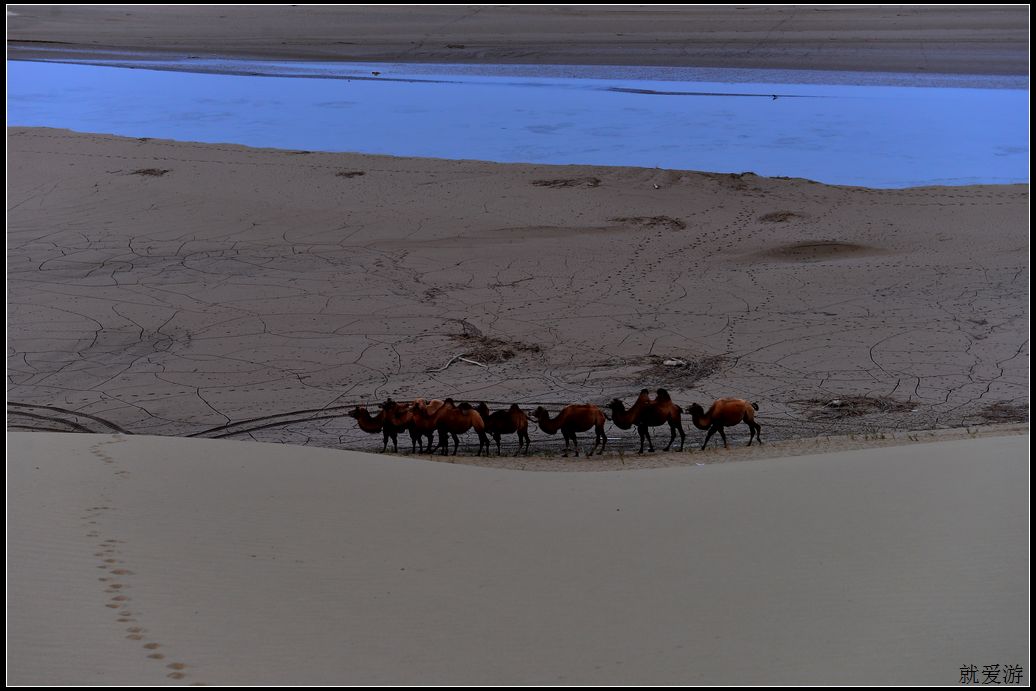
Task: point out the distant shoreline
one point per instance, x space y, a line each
935 40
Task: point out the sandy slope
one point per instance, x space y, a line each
968 40
250 286
260 563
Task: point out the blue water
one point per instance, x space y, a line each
942 131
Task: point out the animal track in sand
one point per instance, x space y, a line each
109 558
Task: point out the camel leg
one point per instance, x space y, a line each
758 430
604 438
672 437
444 443
575 443
565 435
647 435
483 440
384 440
712 430
724 437
496 438
456 443
640 431
683 436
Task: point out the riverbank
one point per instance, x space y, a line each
186 289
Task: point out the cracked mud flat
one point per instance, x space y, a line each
257 294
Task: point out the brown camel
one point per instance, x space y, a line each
423 423
646 413
373 425
725 412
398 417
507 421
453 420
573 419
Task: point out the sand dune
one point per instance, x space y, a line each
258 294
137 560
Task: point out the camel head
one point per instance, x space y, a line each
388 405
419 406
616 406
482 409
662 395
695 410
541 413
357 411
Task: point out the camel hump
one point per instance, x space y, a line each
756 406
663 396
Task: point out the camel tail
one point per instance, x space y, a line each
663 396
756 406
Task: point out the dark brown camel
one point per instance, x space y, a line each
646 413
398 417
507 421
573 419
453 420
725 412
373 425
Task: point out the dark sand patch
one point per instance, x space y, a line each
817 251
779 217
151 172
559 183
652 222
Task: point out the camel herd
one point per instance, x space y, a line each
424 419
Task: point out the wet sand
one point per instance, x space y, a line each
183 289
138 560
955 40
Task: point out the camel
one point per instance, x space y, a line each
506 422
423 423
453 420
373 425
572 419
398 417
646 413
725 412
